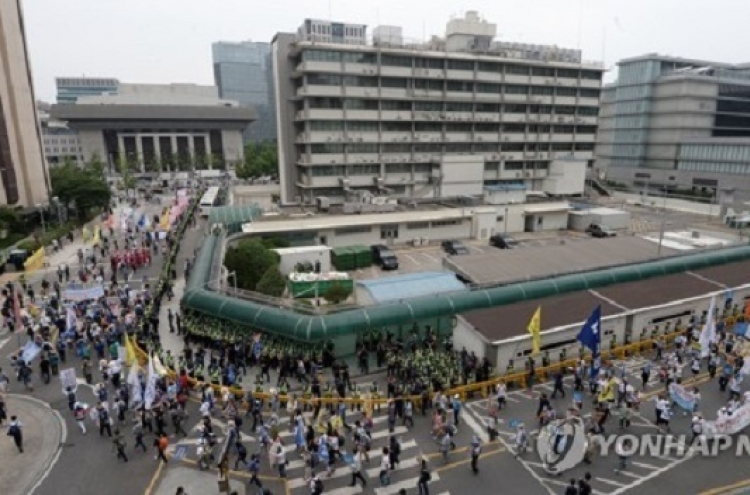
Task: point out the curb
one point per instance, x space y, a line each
53 455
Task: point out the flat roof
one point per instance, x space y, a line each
420 284
501 266
505 322
104 113
302 222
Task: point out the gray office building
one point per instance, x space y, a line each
438 119
242 72
676 123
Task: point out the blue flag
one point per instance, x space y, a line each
590 336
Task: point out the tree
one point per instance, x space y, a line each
337 293
96 165
126 174
249 260
82 187
260 159
272 283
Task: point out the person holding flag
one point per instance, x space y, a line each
535 329
590 337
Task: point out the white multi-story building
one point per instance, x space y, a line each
437 119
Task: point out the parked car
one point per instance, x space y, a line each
596 230
454 247
503 241
384 257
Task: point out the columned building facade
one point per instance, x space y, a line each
150 138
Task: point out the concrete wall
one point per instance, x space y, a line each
92 142
282 68
234 150
24 147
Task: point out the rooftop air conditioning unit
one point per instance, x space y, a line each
527 174
518 175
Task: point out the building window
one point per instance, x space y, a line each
398 168
511 89
366 82
429 63
517 69
428 106
391 126
393 82
422 168
460 64
362 148
372 169
359 58
513 166
488 108
361 104
327 148
428 84
395 61
566 92
325 80
460 86
490 67
453 106
321 55
395 105
488 88
417 225
542 90
445 223
589 93
355 229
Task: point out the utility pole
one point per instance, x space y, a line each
663 223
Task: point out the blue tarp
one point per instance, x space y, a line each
412 285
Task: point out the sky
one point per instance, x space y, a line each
163 41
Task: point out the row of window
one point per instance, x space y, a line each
427 85
715 152
396 126
372 148
450 64
64 149
333 103
714 168
417 168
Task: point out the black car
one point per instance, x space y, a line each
384 257
503 241
454 248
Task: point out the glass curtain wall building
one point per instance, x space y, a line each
242 72
677 123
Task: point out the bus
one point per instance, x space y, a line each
209 200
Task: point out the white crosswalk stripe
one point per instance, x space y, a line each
405 475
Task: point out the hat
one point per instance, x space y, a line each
455 396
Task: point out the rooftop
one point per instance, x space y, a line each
410 285
503 266
104 113
312 221
504 322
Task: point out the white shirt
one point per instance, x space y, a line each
385 463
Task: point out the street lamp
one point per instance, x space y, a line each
505 231
41 214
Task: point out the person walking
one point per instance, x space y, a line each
385 466
476 449
357 470
254 468
118 444
14 430
79 413
424 478
138 433
161 445
105 422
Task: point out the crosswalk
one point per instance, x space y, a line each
404 476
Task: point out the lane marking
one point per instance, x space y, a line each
644 465
608 481
726 488
430 257
632 475
63 439
405 484
456 464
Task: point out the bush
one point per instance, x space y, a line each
338 293
272 283
249 260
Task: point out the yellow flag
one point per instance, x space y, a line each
535 329
129 351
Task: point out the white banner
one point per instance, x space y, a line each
122 353
30 351
708 334
68 379
76 292
728 425
136 392
149 394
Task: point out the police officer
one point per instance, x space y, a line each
375 394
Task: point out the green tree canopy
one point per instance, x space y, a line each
272 283
82 187
260 159
250 260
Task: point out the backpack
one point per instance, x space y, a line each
241 450
13 430
396 448
318 485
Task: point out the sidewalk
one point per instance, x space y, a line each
44 434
